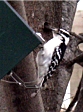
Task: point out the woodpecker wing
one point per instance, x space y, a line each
56 59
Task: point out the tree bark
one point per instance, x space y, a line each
79 106
3 102
75 99
63 72
58 14
45 11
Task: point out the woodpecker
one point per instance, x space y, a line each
51 54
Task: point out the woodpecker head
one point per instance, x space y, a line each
65 32
65 35
62 34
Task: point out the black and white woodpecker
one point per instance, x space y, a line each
51 54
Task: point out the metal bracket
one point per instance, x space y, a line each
20 82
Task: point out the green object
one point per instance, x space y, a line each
17 39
